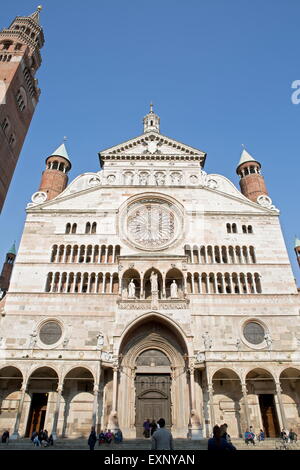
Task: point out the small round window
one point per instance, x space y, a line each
50 332
254 333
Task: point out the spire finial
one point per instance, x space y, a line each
65 138
151 107
39 8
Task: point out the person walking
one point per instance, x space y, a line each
92 438
217 442
162 439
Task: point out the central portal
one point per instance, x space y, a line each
153 383
152 400
152 389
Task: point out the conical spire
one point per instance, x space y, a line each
36 15
61 151
297 242
246 157
13 250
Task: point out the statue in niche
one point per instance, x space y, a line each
160 179
174 290
131 289
128 178
100 340
144 179
154 282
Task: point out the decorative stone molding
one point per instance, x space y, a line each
266 201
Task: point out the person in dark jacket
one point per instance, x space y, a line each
92 438
5 437
153 426
217 442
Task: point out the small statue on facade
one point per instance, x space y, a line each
268 340
238 344
154 283
131 289
143 179
100 340
33 339
207 341
174 290
66 342
160 179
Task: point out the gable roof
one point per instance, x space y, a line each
130 147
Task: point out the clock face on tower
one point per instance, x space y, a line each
151 224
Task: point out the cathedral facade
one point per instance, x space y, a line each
150 289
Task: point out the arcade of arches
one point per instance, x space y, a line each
154 377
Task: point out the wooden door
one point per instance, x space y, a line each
269 415
153 399
37 413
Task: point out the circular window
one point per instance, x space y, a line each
254 333
50 332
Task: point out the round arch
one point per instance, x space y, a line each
159 318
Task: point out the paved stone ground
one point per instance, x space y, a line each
144 444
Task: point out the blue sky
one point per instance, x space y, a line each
218 71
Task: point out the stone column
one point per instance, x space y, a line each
231 284
106 254
115 388
193 283
95 406
89 283
15 434
114 254
56 412
163 285
192 386
253 284
281 407
239 283
205 254
223 284
184 283
246 406
111 283
211 404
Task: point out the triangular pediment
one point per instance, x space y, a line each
151 143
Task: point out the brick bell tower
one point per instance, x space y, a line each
7 270
20 58
252 182
55 176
